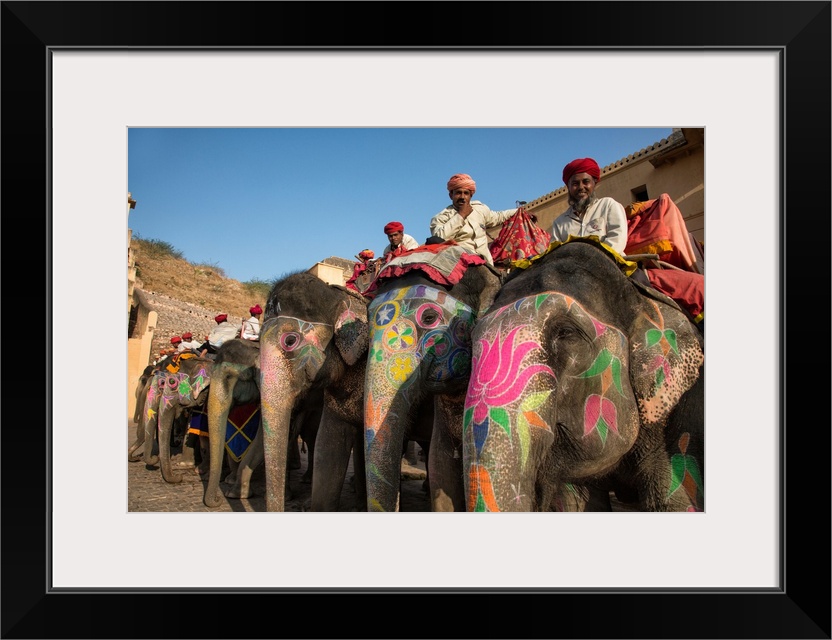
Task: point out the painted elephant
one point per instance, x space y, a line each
138 415
418 364
583 380
235 380
178 393
314 337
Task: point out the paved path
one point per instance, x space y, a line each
148 491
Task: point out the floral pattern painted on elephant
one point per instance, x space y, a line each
412 328
511 381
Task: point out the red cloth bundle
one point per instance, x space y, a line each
519 238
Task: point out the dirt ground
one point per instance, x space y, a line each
148 491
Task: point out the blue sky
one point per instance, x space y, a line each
261 203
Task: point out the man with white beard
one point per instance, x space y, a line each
589 215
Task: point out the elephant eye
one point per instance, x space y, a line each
290 341
173 383
428 316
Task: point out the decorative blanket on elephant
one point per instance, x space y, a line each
444 263
243 423
173 365
657 226
242 426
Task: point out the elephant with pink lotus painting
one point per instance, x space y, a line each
583 382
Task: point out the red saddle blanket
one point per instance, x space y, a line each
443 263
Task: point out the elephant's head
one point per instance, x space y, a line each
183 385
578 378
420 348
311 333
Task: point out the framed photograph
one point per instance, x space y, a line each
76 76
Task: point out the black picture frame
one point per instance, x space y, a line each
800 31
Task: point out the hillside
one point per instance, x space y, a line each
159 270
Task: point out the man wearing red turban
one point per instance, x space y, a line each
466 221
251 326
589 215
399 240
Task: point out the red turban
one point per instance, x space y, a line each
187 336
175 340
462 181
582 165
392 227
367 254
221 318
255 310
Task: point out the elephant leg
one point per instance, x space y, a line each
410 453
445 472
293 454
138 443
360 484
332 457
240 484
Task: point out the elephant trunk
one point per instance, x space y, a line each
167 412
150 421
277 401
501 467
220 399
387 416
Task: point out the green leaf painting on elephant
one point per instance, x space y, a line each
580 385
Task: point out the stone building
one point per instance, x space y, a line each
674 165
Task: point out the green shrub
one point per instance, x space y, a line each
158 248
258 288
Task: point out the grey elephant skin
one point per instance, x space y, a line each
313 340
583 382
235 380
417 374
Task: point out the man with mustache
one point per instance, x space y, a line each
589 215
465 221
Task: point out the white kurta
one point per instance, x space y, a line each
604 218
470 232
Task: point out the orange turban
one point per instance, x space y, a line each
367 254
582 165
462 181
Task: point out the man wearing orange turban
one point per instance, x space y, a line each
589 215
465 221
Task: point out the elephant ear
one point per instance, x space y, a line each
489 291
666 355
351 331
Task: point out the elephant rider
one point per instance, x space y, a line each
176 341
188 343
589 215
365 265
465 221
220 334
251 327
399 241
